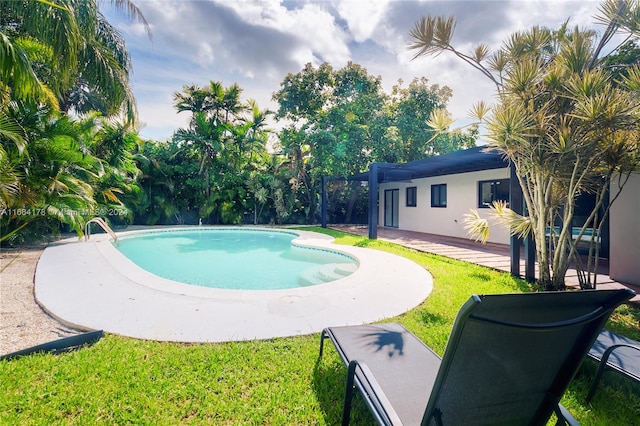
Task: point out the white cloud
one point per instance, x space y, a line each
362 16
256 43
319 31
310 24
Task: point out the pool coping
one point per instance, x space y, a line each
91 285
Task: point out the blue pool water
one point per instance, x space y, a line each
234 258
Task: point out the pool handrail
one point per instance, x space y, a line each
103 225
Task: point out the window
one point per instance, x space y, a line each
412 197
439 195
492 190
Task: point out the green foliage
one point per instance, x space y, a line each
566 119
68 55
305 94
70 171
216 170
621 61
57 171
410 110
340 121
167 178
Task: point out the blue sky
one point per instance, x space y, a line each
256 43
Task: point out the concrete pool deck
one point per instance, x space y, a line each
91 285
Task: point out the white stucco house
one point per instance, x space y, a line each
624 234
437 205
433 195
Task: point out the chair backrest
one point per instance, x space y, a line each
510 357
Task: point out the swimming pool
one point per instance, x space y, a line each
235 258
91 285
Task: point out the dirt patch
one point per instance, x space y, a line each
23 323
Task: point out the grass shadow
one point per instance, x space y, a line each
430 318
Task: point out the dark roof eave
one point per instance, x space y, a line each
464 161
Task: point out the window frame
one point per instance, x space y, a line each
504 183
438 202
411 201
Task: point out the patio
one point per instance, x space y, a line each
492 255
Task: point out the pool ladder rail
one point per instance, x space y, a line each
103 225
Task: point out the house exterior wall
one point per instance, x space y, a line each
624 232
462 196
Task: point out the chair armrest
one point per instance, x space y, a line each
374 394
604 363
610 349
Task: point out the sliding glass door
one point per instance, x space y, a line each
391 202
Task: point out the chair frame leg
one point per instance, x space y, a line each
323 337
596 380
348 396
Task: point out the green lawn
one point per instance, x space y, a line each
279 381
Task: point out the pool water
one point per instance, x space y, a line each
234 258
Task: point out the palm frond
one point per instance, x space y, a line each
431 35
133 12
9 181
517 224
632 78
13 131
477 227
15 67
440 120
479 110
481 52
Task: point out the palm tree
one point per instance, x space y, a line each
116 187
12 139
191 99
214 125
230 102
80 52
156 201
228 140
563 122
251 133
49 51
55 179
206 140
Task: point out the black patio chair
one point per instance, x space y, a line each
617 353
65 344
508 361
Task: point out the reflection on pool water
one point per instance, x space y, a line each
234 258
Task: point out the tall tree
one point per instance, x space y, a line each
562 119
227 138
339 121
66 51
305 94
331 114
411 109
48 51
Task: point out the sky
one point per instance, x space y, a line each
257 43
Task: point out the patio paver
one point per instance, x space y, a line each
492 255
